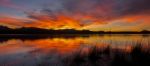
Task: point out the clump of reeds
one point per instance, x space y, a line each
111 57
137 57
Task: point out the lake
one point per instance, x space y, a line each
72 50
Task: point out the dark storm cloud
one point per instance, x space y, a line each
136 6
44 14
50 13
131 7
95 8
98 9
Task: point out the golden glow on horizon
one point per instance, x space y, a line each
64 22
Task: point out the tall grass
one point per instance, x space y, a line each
110 57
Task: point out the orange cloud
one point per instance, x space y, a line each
126 23
129 22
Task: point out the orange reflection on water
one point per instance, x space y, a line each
69 45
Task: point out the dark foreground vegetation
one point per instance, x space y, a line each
33 30
110 57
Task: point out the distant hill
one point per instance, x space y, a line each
4 28
33 30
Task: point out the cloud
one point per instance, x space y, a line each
73 13
127 23
97 10
79 14
93 8
14 21
114 26
11 4
48 19
132 7
137 6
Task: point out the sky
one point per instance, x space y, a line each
95 15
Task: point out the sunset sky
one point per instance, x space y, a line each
95 15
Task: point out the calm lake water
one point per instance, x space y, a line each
52 51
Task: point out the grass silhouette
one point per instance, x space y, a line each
111 57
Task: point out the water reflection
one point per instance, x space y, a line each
53 50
